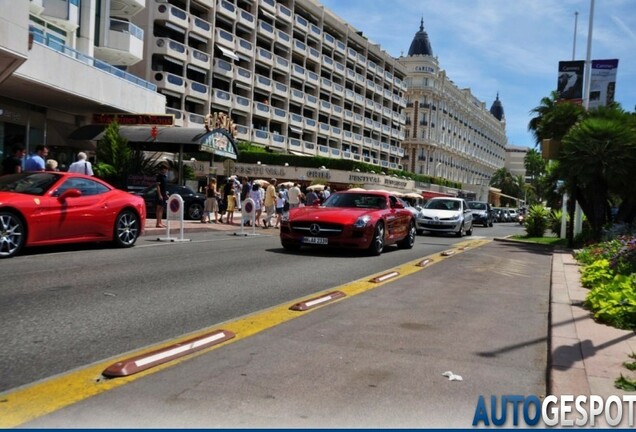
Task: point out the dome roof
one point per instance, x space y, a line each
421 45
497 109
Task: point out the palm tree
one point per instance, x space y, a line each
553 120
508 184
599 155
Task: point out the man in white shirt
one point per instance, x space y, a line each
293 196
82 166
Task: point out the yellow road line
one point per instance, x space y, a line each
43 397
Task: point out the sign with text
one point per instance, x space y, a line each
134 119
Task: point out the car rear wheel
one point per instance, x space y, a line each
377 243
290 246
127 228
12 234
195 211
409 240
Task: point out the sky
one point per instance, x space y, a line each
509 47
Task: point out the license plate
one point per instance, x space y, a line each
315 240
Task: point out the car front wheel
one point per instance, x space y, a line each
127 228
460 231
377 243
12 234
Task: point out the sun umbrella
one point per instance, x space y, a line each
287 184
316 187
262 182
412 195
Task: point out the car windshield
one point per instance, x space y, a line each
356 200
30 183
477 205
442 204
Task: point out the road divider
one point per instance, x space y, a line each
317 301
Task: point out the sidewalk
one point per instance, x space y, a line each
192 226
586 357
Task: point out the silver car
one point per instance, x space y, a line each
445 215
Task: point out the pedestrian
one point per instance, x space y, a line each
280 207
326 193
51 165
255 195
231 204
311 198
12 164
162 193
246 187
237 194
211 203
81 166
294 195
270 203
35 161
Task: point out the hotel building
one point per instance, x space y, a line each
449 133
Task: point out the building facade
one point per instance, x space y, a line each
292 75
515 160
449 133
61 61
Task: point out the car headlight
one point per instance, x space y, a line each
454 217
362 222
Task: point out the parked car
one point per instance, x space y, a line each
50 208
482 213
446 215
513 215
363 220
502 214
193 202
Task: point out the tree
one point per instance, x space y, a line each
599 155
553 120
508 184
535 169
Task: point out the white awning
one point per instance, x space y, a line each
228 53
299 153
296 130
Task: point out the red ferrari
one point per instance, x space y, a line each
47 208
367 220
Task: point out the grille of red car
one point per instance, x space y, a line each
320 229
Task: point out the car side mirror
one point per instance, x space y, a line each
69 193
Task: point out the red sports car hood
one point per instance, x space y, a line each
328 214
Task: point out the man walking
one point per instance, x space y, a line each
270 203
82 166
35 161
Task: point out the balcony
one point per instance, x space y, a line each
172 14
296 120
339 68
243 75
266 29
299 48
226 39
336 132
283 38
244 46
195 120
262 110
281 64
323 151
298 72
168 81
295 144
284 13
312 77
221 98
223 68
264 83
352 54
310 124
226 9
241 103
328 40
197 90
201 27
64 13
279 141
199 59
327 62
297 96
178 116
261 137
357 138
309 148
341 47
242 132
264 57
279 114
314 54
301 23
281 90
311 100
170 48
246 19
124 44
324 129
350 95
268 5
337 110
315 32
325 107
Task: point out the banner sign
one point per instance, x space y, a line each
602 82
570 82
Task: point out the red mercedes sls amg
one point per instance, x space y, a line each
366 220
47 208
